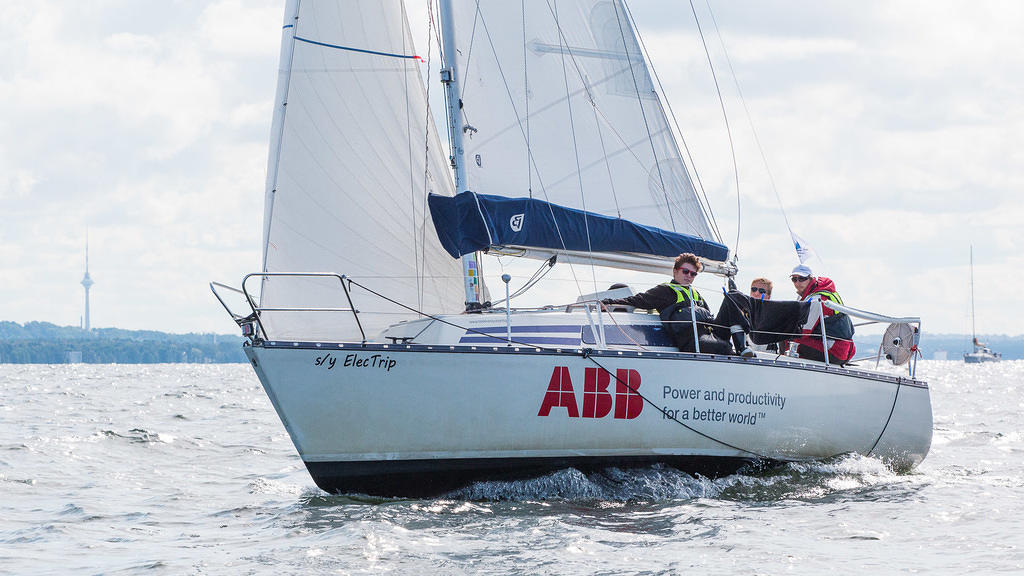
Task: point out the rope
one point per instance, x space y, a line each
899 385
728 131
538 275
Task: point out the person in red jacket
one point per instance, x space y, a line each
839 332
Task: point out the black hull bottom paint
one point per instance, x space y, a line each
425 478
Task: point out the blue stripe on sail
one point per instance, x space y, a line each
520 340
469 222
350 49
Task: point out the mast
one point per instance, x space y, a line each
450 78
974 333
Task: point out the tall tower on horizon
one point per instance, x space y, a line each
87 283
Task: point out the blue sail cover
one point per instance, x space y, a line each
468 222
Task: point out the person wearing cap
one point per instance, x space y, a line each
811 288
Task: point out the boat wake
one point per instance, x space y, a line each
809 481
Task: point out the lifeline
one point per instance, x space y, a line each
763 399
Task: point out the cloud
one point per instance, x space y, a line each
140 123
891 130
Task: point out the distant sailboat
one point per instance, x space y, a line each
981 352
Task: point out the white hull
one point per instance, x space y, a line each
979 357
417 419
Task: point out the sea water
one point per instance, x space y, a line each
186 469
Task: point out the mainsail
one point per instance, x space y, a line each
557 105
348 174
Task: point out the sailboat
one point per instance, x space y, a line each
981 353
369 326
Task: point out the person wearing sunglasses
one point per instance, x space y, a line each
761 289
678 290
838 327
673 301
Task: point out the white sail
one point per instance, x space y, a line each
353 155
558 105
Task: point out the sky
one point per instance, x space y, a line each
889 129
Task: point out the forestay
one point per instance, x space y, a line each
348 174
558 105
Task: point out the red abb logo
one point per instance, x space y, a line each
597 400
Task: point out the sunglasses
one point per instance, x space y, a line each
688 272
758 291
799 278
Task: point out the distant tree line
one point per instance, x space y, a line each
45 343
1011 347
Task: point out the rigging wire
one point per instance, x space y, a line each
479 22
702 197
563 47
586 88
477 16
447 100
526 100
542 271
604 156
409 141
519 122
643 112
428 122
750 119
728 131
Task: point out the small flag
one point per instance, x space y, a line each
803 251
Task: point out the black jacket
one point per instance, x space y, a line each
658 298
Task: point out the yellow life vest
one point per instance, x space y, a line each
684 294
830 295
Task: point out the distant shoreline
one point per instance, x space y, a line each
46 343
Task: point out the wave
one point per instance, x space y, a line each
832 478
